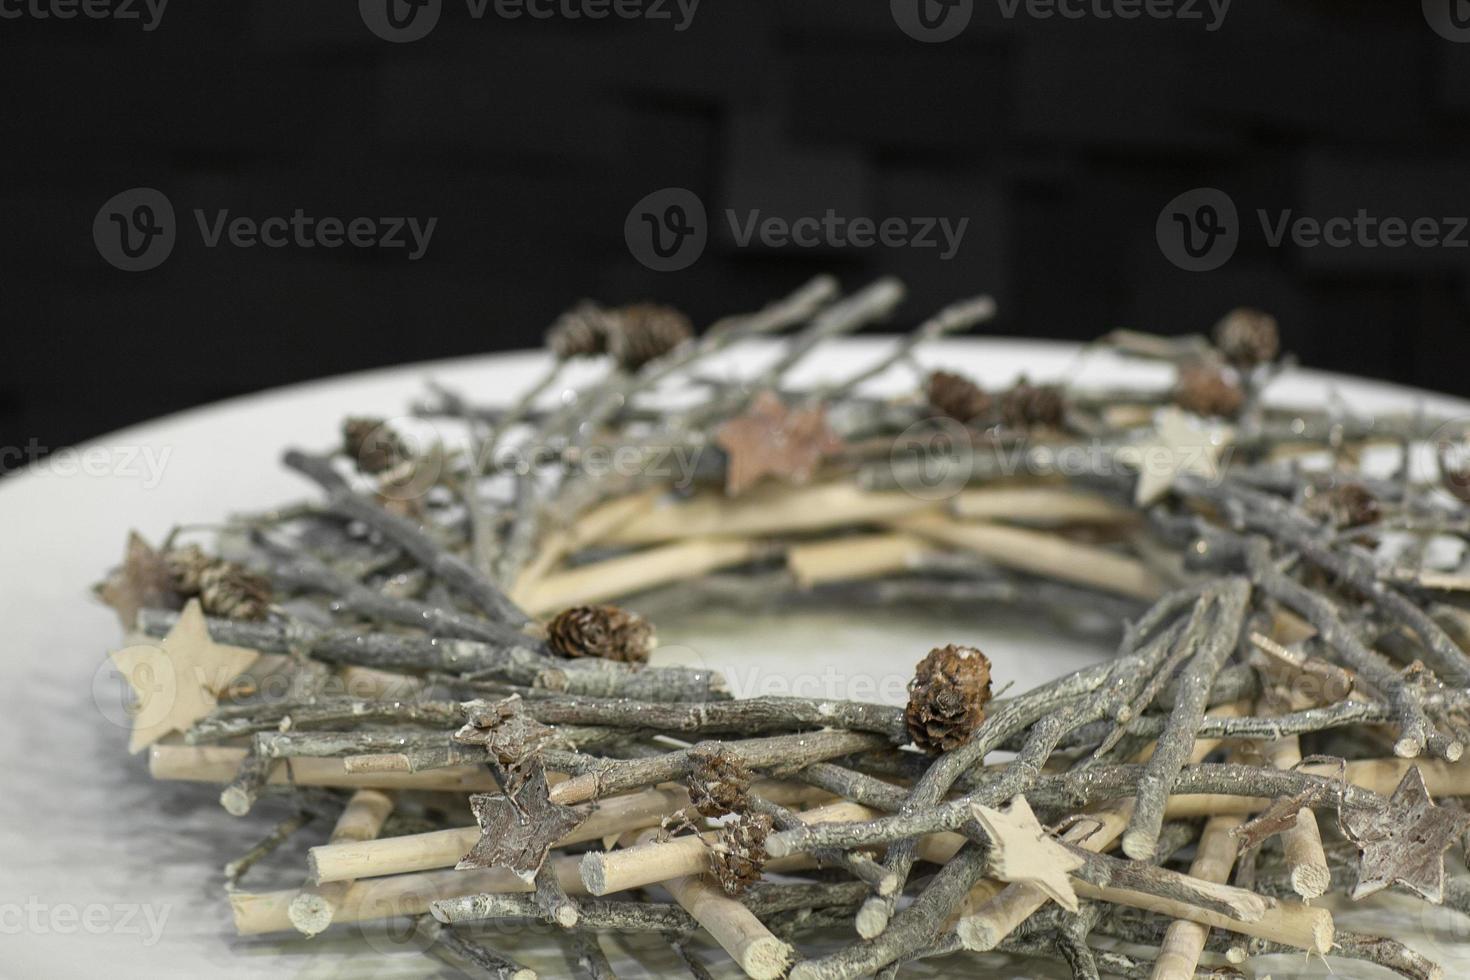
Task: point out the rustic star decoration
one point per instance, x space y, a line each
771 439
1179 445
508 735
142 581
1404 842
518 828
1021 850
178 681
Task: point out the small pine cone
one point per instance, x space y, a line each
645 331
1208 391
581 331
186 567
958 397
1248 337
234 592
373 446
1026 406
719 784
947 698
601 631
1349 505
738 853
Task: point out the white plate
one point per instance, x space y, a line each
102 870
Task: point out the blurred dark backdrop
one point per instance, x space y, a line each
1061 140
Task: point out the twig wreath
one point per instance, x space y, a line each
435 640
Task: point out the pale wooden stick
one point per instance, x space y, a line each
218 764
646 863
1038 505
750 944
616 577
1286 922
1302 842
767 511
372 684
855 557
1041 553
995 919
1184 942
382 898
588 529
362 819
443 848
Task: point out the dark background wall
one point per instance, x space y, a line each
1060 140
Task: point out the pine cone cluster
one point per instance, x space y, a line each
1208 391
224 588
1248 337
646 331
719 783
581 331
373 446
1345 506
601 631
947 698
738 853
958 397
1027 406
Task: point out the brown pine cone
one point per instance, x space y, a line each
1248 337
601 631
719 784
1027 406
947 698
371 445
1348 505
738 853
957 396
1208 391
581 331
645 331
186 567
234 592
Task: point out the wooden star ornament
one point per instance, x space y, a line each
519 827
771 439
1179 445
1021 850
178 680
142 581
1404 842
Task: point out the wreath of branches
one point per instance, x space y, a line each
467 627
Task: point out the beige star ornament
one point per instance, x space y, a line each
178 680
1022 851
1180 444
